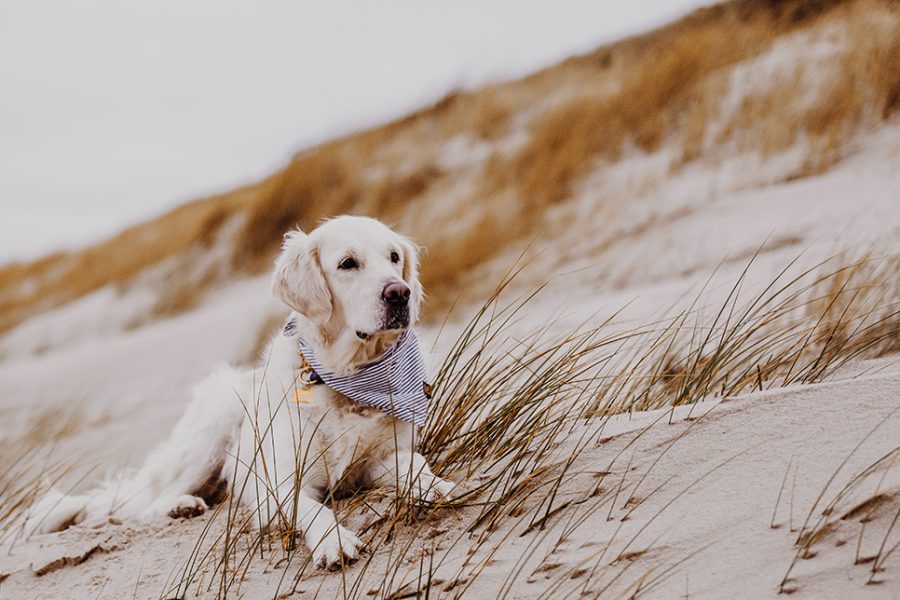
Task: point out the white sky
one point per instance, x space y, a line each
112 111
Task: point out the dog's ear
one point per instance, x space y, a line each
298 280
411 273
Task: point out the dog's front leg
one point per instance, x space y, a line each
330 543
409 473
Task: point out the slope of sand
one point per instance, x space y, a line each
699 495
99 392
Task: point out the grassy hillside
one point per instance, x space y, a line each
480 171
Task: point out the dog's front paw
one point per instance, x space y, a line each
443 488
432 488
187 507
339 546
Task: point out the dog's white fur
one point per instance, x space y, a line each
241 425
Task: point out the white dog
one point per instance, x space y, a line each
284 428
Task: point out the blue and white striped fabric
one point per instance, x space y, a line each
394 384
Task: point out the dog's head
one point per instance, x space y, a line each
351 276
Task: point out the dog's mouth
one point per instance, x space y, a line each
394 323
396 320
366 336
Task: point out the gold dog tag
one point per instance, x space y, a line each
303 396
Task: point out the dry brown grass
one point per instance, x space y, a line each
26 289
319 184
315 184
861 87
566 143
673 83
664 87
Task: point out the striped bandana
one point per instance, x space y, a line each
394 384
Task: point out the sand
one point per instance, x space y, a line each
716 492
715 495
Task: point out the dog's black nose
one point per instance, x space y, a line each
396 294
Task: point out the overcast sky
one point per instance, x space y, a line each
113 111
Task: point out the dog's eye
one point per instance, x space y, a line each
395 258
348 264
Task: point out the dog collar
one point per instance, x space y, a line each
395 383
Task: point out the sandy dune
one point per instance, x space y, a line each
693 515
